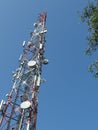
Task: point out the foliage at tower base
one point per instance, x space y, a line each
89 15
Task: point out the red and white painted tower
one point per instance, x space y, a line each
19 112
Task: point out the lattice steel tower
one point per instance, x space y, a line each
19 112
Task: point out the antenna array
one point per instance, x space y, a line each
19 112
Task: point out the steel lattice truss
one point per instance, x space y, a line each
19 112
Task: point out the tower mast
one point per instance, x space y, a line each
19 112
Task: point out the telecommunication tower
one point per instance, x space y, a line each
19 111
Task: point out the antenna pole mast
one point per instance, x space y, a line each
19 112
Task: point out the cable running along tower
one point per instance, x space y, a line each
19 112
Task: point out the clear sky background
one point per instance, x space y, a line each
69 98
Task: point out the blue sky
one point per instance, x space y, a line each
69 98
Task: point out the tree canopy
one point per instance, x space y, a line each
89 15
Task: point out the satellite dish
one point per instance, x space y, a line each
31 63
45 61
35 24
25 105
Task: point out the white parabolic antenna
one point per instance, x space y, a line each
25 105
32 63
